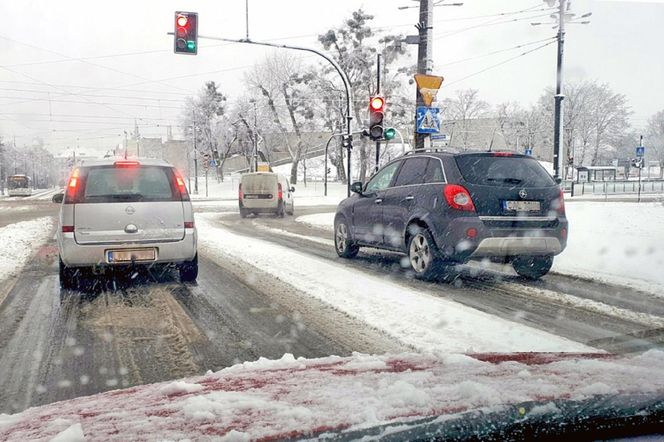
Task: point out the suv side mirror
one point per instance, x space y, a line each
58 197
292 189
558 180
357 187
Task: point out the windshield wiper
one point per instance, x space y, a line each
120 196
506 180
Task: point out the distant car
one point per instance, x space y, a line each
265 192
445 208
124 212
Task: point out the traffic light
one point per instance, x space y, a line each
186 33
376 116
347 142
389 133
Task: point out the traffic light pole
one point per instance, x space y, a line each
424 56
335 65
377 93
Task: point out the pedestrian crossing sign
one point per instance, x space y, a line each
428 121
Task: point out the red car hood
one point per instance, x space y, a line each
291 397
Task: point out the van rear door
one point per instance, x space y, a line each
127 202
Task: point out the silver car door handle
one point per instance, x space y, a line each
409 198
378 200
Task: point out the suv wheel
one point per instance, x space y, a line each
342 242
189 270
69 278
422 254
243 212
532 267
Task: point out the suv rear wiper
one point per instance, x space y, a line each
506 180
121 196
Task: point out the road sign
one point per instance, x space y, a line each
428 121
529 152
640 151
440 137
428 86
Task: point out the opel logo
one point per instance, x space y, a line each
131 228
523 194
130 210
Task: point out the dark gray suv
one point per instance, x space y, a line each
444 208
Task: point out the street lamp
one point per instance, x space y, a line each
563 17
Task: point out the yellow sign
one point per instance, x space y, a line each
264 167
428 86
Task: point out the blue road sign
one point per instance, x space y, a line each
529 152
428 121
640 151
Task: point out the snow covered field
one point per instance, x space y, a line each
423 321
616 242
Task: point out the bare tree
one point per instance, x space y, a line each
465 106
655 139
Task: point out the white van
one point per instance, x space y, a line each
265 192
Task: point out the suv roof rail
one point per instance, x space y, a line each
428 150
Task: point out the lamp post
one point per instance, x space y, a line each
562 17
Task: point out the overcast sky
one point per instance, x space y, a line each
129 70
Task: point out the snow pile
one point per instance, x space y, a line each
18 242
418 319
180 387
618 242
293 398
320 220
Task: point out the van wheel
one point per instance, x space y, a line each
532 267
280 210
423 254
243 212
343 243
69 278
291 212
189 270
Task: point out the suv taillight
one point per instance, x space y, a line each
240 194
457 197
181 186
280 192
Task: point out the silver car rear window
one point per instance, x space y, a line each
114 184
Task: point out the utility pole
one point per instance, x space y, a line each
377 93
424 55
193 132
255 137
559 97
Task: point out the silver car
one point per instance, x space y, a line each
125 213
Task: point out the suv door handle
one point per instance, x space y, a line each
378 200
409 198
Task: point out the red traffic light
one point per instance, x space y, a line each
377 103
182 21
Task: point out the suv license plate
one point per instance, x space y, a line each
131 255
522 206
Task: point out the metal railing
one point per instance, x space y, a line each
623 187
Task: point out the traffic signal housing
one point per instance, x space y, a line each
376 117
186 33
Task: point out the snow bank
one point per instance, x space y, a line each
617 242
19 240
320 220
421 320
292 398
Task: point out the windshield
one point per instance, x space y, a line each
275 220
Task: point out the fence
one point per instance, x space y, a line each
624 187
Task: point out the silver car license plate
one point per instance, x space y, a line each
131 255
522 206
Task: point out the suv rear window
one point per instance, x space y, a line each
128 184
490 170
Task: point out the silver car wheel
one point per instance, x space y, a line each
342 237
419 253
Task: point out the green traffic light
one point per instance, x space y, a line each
390 133
191 45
